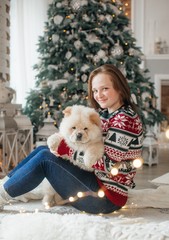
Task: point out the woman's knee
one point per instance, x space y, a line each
44 152
46 155
40 148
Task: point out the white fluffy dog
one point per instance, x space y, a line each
80 129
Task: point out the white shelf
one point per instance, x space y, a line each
157 57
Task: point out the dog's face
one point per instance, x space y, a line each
80 125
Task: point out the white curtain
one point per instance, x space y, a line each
27 24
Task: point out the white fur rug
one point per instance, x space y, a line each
47 226
143 219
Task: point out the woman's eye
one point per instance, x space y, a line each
73 128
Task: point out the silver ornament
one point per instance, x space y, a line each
84 77
117 51
75 5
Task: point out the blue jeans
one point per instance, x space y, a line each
66 178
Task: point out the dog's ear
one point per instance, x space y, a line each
67 111
94 118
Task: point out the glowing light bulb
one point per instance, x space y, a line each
138 162
80 194
114 171
101 193
46 204
22 210
36 210
167 133
71 199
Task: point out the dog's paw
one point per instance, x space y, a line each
89 160
53 141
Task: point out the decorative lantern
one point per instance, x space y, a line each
47 130
8 142
150 151
25 135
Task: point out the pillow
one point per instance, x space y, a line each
162 180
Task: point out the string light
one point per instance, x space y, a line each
36 210
80 194
99 194
71 199
115 169
127 7
22 210
46 205
137 163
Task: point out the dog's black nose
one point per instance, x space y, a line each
79 136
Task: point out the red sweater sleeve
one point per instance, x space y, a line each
64 150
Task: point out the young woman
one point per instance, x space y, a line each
123 135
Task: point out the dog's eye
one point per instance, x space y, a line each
73 127
85 128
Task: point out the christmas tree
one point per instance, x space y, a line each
79 36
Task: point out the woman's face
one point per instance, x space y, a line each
104 93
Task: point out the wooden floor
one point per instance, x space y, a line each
148 173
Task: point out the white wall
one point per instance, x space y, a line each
156 23
150 20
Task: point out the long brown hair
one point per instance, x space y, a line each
119 82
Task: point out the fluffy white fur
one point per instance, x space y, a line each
45 192
47 226
81 129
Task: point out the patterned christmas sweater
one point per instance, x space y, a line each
123 137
